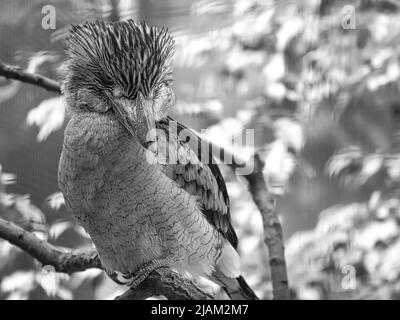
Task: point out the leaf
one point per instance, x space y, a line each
51 282
58 228
392 74
28 210
49 116
393 167
7 178
81 231
64 293
56 200
279 165
275 90
38 59
390 268
240 60
78 278
342 160
18 281
8 91
368 237
290 132
341 218
7 251
289 29
208 7
374 200
275 69
371 165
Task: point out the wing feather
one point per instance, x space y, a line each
181 163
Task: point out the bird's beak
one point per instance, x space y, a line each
148 113
146 121
122 114
130 115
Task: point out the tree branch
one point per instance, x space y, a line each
168 283
273 236
16 73
46 253
257 187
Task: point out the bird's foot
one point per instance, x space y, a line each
134 280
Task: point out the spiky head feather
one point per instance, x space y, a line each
134 56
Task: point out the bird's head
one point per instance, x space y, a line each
120 69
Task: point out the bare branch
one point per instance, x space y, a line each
273 236
46 253
272 226
16 73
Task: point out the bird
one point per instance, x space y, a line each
143 185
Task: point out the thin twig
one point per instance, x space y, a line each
273 236
46 253
16 73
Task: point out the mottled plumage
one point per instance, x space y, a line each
147 199
203 180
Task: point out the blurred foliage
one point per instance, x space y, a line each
357 243
317 80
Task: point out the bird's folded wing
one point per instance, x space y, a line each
187 160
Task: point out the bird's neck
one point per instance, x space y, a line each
100 137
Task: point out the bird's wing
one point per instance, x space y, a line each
187 160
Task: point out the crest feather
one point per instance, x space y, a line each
132 55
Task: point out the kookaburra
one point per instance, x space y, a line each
147 200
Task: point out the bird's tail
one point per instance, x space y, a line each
235 288
242 291
227 274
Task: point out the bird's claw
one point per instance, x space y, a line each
133 280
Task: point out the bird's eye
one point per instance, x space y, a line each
168 83
156 92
